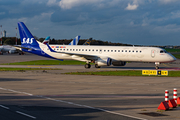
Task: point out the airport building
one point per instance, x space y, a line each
4 33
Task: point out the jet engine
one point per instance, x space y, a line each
104 62
11 51
119 63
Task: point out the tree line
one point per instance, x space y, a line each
12 41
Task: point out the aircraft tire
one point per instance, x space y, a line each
157 67
96 66
87 66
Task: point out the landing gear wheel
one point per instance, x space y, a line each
87 65
157 67
21 53
96 66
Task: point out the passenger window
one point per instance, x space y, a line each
114 50
133 51
67 49
111 50
96 50
79 49
64 49
93 50
82 49
89 49
129 50
104 50
86 49
140 51
108 50
118 50
76 49
70 49
125 50
122 50
136 51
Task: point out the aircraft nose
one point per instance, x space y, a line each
172 58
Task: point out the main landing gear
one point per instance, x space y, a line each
87 66
21 53
157 65
96 66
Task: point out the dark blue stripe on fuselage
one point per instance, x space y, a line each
39 52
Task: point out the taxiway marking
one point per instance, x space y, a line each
19 112
86 106
25 114
4 107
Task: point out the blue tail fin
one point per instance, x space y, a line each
25 35
75 41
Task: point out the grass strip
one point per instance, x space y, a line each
24 69
172 50
176 55
124 73
48 62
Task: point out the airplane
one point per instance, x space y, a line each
46 41
88 41
100 55
7 48
75 41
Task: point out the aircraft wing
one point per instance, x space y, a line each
77 54
21 47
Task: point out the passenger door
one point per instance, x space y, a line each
153 52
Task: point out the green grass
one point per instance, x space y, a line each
122 73
172 50
48 62
176 55
24 69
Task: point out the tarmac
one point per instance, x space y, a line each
51 95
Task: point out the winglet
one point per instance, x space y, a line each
50 48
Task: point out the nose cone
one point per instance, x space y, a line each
172 58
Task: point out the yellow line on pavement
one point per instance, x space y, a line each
40 66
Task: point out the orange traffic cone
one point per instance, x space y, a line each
163 106
178 101
172 103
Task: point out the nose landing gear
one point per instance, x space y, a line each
157 65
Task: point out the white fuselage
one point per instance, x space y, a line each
117 53
7 48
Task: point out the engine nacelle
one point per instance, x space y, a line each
104 62
11 51
119 63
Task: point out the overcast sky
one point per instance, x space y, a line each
144 22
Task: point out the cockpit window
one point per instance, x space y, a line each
163 51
